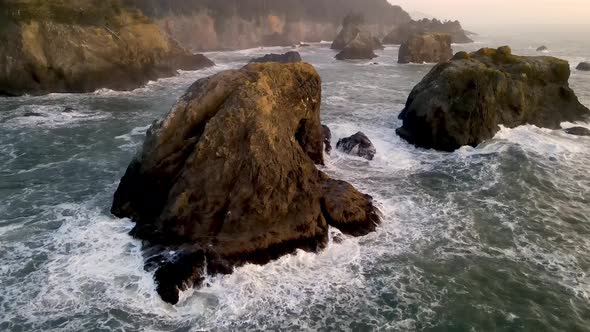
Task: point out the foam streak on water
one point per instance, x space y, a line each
489 238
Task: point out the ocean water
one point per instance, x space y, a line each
493 238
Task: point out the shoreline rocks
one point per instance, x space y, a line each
289 57
358 145
542 48
463 101
80 53
231 24
229 177
431 47
583 66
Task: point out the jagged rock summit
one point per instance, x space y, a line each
463 101
229 177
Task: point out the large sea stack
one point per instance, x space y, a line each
463 101
354 41
229 176
428 47
83 45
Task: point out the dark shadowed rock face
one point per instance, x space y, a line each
327 134
578 131
431 47
405 31
229 176
360 48
542 48
463 102
583 66
358 145
82 46
289 57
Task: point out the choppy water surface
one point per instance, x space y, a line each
495 238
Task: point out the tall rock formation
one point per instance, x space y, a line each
229 177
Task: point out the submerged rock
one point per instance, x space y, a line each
463 102
431 47
229 176
360 48
289 57
358 145
578 131
403 32
542 48
327 135
583 66
82 47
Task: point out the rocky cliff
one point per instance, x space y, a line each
238 24
83 45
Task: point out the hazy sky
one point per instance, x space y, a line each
503 11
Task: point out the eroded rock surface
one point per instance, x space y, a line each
229 176
430 47
463 101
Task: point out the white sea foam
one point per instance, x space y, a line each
50 116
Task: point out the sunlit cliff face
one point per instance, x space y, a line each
504 11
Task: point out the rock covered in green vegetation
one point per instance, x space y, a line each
405 31
83 45
464 101
229 176
428 47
